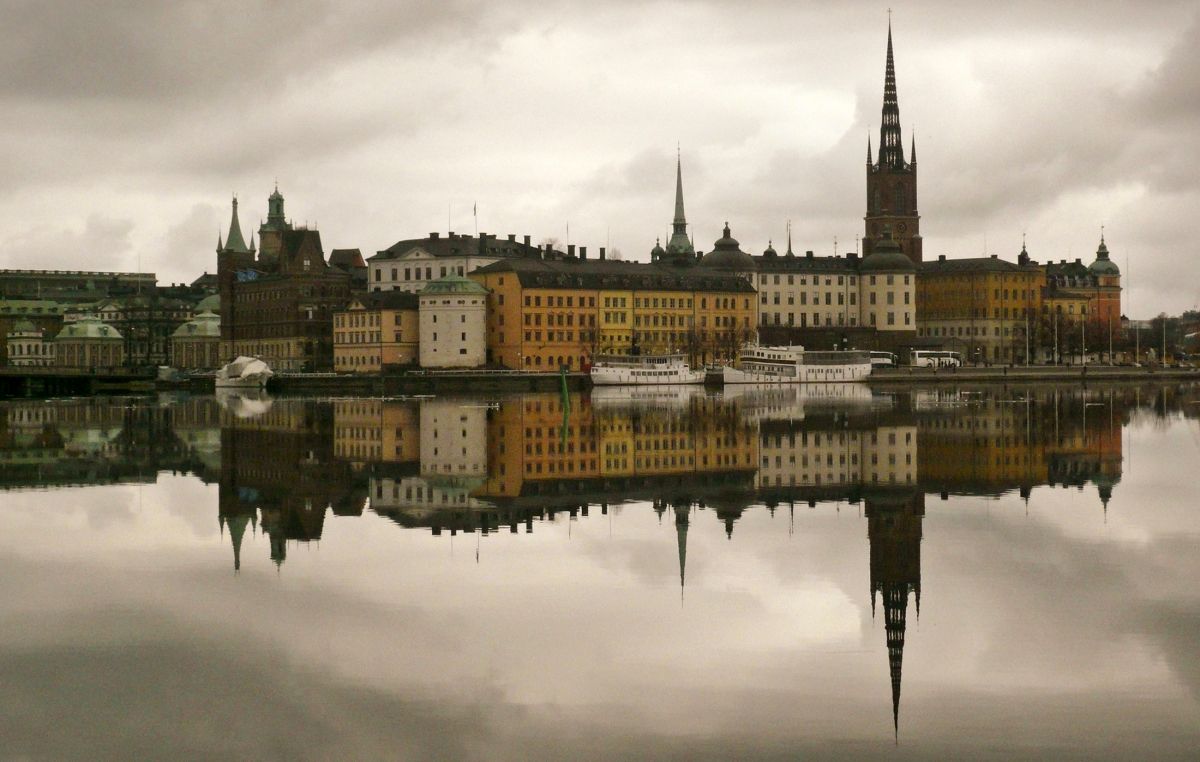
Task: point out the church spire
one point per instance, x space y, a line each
679 243
891 146
680 221
870 161
234 242
681 530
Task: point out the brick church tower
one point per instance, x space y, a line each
892 182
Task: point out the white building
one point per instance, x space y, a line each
27 346
410 265
452 323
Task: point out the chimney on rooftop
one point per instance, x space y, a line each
583 252
526 241
570 250
450 234
435 235
808 253
601 253
995 256
941 257
512 238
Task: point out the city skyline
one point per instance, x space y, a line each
1043 122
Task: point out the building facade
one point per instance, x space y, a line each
453 323
410 265
196 345
279 305
89 343
985 308
375 330
27 346
563 311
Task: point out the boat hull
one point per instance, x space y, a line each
627 377
802 374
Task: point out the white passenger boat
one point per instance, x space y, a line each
644 370
244 373
792 365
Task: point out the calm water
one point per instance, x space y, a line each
985 571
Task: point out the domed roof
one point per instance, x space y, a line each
658 250
770 251
88 328
727 254
210 303
1103 265
886 255
453 284
204 325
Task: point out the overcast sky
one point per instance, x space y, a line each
129 125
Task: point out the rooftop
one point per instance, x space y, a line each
613 274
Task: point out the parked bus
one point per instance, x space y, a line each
883 360
925 358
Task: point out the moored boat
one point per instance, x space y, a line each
244 373
792 365
644 370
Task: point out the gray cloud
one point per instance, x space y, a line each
376 117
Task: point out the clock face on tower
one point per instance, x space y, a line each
902 227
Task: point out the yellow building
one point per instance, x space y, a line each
547 313
985 308
375 330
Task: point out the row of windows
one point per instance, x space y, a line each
417 273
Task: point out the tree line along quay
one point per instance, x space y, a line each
482 301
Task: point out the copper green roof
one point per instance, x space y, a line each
453 284
206 324
235 242
88 328
210 303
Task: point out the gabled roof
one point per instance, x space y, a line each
346 258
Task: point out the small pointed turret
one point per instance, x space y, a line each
681 530
912 153
870 160
234 242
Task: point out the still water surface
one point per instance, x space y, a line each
984 571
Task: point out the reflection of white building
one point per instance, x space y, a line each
414 493
794 456
453 439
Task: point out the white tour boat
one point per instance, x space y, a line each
244 373
793 365
644 370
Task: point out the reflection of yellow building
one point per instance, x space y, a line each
543 314
375 431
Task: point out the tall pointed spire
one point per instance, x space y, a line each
870 161
234 241
681 530
680 219
912 153
891 146
679 243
